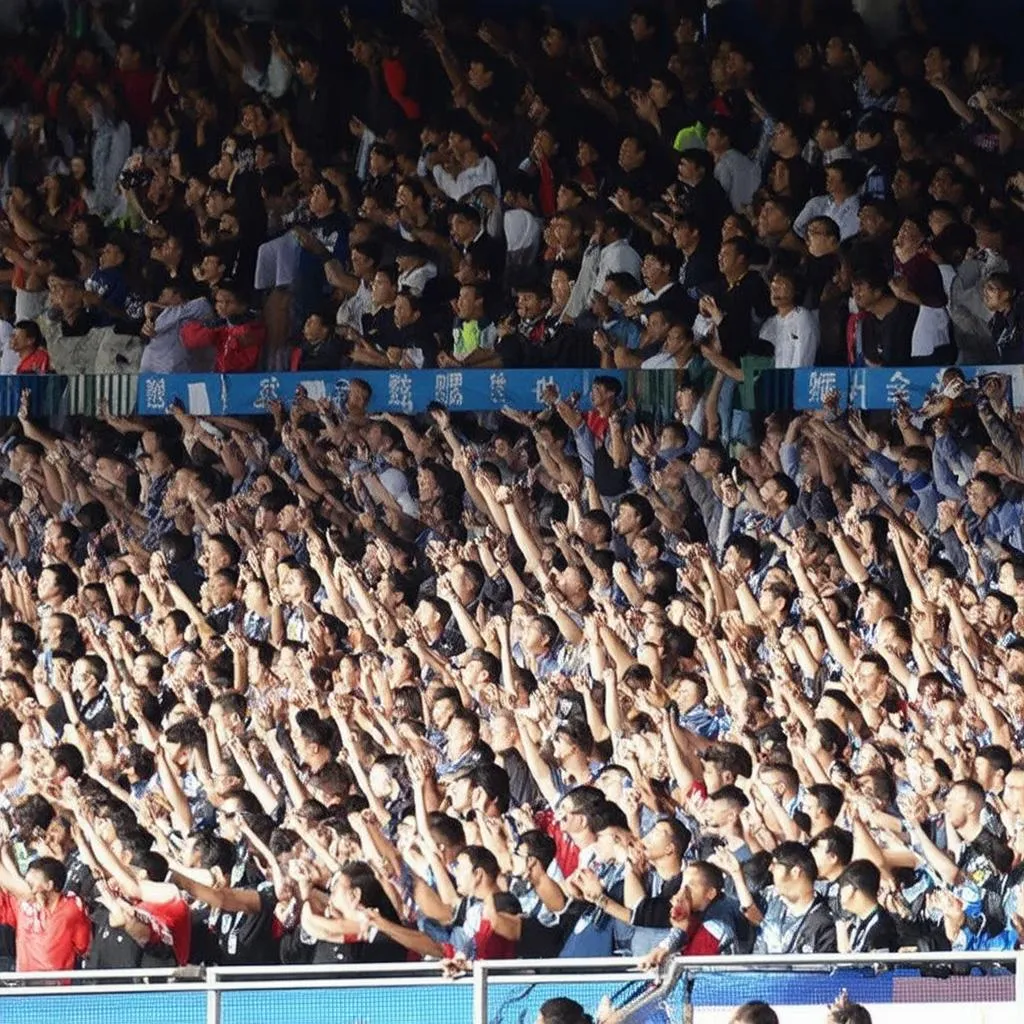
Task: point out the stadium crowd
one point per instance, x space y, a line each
331 687
187 191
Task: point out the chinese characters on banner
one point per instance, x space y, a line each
244 394
863 388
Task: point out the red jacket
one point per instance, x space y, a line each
700 942
238 345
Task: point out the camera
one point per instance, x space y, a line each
135 178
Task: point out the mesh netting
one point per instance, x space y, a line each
394 1004
709 991
705 996
156 1005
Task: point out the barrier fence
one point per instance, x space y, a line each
246 394
987 988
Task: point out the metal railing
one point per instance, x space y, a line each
218 995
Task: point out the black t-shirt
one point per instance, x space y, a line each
379 328
379 949
114 949
327 355
656 911
546 940
97 715
522 785
486 253
80 881
415 335
745 305
876 932
246 939
111 948
221 619
888 341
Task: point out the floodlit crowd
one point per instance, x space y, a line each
682 189
332 687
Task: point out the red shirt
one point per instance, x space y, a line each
567 853
700 942
596 424
37 361
137 87
47 940
238 345
396 80
170 923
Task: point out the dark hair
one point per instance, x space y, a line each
755 1012
699 158
52 870
606 815
444 828
562 1010
214 852
731 795
837 841
65 580
796 855
481 859
642 507
834 740
862 876
829 798
681 837
69 757
851 172
154 864
578 733
32 329
371 893
712 875
997 756
742 246
494 781
230 546
539 845
729 757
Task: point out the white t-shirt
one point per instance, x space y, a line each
794 338
659 361
9 359
931 331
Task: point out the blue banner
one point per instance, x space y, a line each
396 391
864 388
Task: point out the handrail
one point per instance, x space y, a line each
413 967
498 971
207 989
671 978
762 962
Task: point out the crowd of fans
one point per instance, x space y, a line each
331 687
186 191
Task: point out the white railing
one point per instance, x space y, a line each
486 979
